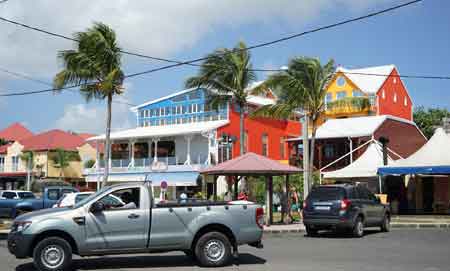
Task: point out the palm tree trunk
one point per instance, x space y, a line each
241 129
107 140
311 156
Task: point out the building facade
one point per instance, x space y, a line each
179 134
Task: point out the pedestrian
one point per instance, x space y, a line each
295 203
243 196
284 202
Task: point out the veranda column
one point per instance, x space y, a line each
97 164
149 144
286 200
155 158
188 152
132 152
110 155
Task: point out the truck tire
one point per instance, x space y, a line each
358 227
213 249
52 254
386 224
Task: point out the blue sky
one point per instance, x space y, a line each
416 39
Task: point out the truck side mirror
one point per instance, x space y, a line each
97 207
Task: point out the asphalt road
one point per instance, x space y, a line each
398 250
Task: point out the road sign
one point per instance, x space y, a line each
163 185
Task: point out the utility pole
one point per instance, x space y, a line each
305 156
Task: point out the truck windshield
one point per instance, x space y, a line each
87 199
26 195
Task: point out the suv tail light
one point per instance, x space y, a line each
305 205
259 217
345 203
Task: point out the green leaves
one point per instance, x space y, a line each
356 103
62 158
428 119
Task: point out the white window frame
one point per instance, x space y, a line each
15 164
405 101
2 163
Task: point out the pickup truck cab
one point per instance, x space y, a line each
12 207
16 194
209 231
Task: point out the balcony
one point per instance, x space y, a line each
351 106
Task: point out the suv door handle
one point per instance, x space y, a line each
133 216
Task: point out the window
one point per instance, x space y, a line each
122 199
2 163
282 147
147 113
194 108
341 95
142 113
152 112
9 195
394 80
189 108
383 94
395 97
174 110
157 112
329 151
265 144
199 107
405 101
372 100
357 93
340 81
184 109
328 98
194 95
167 111
53 194
178 110
179 98
15 163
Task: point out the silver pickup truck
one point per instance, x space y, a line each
99 225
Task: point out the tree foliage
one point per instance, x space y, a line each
62 158
227 75
427 119
94 65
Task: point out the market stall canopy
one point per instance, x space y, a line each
365 166
433 158
251 164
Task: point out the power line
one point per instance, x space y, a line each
181 63
29 78
191 63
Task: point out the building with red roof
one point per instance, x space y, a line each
13 169
14 132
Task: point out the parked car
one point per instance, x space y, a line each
209 231
344 207
16 194
70 199
16 206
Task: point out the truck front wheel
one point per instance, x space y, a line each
52 254
213 249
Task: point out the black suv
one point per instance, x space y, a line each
344 207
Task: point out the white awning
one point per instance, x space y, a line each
365 166
164 131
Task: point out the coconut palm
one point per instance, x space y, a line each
300 87
94 65
28 157
62 158
228 75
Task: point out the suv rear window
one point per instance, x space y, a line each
324 193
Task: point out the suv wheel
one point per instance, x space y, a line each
386 224
213 249
310 231
52 254
358 228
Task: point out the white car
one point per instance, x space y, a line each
16 194
70 199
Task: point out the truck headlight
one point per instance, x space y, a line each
20 226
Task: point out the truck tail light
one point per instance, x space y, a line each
260 217
345 203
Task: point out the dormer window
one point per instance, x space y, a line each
394 80
340 81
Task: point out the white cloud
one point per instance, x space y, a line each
91 118
159 28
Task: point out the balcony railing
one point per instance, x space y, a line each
145 164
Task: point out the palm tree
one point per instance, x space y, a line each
300 87
95 65
28 157
227 74
62 158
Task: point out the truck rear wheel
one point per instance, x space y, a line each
52 254
213 249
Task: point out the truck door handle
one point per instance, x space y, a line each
133 216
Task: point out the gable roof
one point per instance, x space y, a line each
369 84
353 127
14 132
251 164
51 140
135 108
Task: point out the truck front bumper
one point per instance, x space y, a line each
19 244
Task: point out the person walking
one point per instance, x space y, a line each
284 202
295 203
